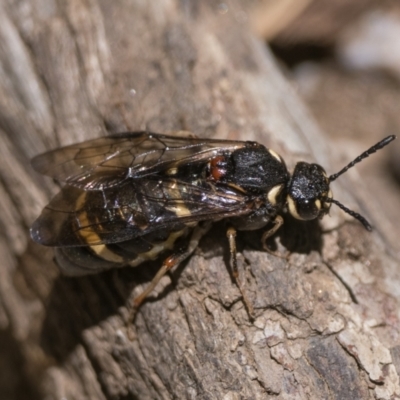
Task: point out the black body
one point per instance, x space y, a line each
129 197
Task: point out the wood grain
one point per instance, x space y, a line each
327 320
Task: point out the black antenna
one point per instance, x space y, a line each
361 157
355 215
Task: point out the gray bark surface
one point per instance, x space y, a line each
327 317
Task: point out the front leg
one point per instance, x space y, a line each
278 222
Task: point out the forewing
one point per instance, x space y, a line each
105 162
76 217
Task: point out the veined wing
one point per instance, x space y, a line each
76 217
106 162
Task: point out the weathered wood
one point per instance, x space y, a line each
321 22
327 321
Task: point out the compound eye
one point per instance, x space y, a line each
304 209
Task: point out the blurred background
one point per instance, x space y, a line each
343 57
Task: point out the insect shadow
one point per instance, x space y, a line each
79 303
76 304
294 236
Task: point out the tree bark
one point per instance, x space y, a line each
327 319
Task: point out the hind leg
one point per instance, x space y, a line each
169 263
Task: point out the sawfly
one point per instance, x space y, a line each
130 197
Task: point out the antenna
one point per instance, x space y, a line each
358 159
355 215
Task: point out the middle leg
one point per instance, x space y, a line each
231 234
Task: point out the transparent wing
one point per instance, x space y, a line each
105 162
75 217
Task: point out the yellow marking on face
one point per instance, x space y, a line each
327 204
274 193
318 204
293 208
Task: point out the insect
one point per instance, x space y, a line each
132 196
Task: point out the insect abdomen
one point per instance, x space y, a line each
85 260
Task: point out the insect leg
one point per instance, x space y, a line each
231 234
170 262
278 222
